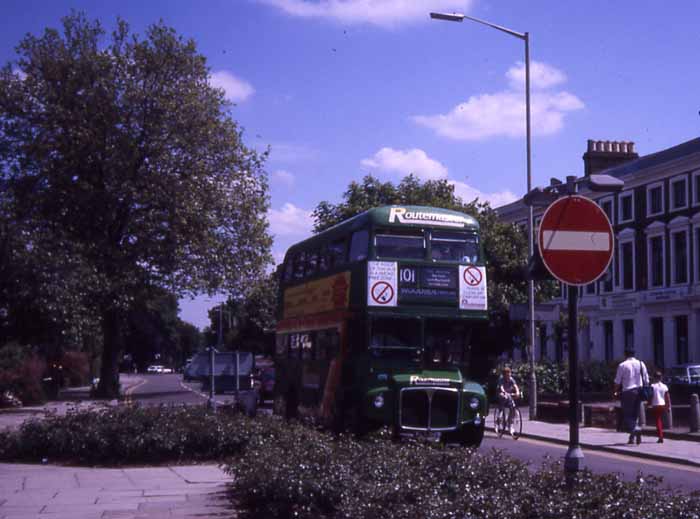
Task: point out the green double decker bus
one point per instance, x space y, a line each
376 319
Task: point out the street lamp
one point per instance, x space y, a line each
524 36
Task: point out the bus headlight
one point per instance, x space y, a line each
379 401
474 403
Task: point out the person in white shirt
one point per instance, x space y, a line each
630 377
660 403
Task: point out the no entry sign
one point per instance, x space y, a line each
575 240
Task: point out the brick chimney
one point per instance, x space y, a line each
602 155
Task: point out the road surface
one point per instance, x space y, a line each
169 389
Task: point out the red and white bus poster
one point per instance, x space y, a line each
472 288
381 283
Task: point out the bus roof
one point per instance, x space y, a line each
396 216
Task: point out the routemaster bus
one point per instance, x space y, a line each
375 322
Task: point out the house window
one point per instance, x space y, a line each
679 261
657 337
656 261
679 193
608 340
655 199
628 330
543 340
627 265
697 254
606 204
696 188
626 207
606 280
590 289
681 339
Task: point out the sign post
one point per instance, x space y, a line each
576 243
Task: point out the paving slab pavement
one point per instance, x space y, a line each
677 448
55 492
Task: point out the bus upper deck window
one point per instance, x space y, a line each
454 246
403 246
311 263
358 245
299 264
336 253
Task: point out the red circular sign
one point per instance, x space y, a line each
472 276
382 292
575 240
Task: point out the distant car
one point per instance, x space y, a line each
154 368
266 383
167 370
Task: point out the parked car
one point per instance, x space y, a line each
167 370
154 368
683 380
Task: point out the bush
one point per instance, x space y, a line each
123 435
21 374
76 368
307 474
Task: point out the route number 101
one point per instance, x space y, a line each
407 275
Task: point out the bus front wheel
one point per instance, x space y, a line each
472 435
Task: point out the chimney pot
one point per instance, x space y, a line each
606 146
615 147
630 147
591 145
623 147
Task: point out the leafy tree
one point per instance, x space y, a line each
505 245
125 168
247 322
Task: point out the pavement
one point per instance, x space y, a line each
52 492
679 445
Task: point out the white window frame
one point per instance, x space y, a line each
695 227
649 188
627 236
696 196
622 195
676 226
655 230
676 180
610 199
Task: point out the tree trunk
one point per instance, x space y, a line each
112 347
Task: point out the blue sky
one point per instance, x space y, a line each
342 88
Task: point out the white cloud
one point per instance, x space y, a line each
405 162
541 75
469 193
283 152
290 220
235 89
385 13
503 113
283 177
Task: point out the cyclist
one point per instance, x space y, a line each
508 391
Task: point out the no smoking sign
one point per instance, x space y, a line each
382 293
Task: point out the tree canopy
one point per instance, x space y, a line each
124 169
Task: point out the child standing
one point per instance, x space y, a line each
660 403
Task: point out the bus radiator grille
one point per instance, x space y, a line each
429 409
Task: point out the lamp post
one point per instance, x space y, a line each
524 36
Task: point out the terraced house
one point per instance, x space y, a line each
650 297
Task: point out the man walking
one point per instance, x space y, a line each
631 376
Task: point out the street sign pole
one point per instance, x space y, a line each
574 455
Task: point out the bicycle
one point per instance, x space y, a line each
514 418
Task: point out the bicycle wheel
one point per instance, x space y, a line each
499 422
517 423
